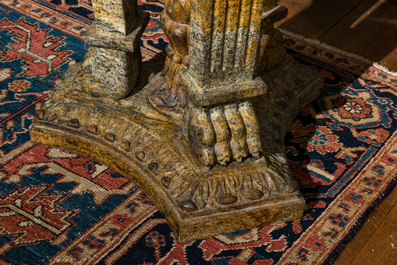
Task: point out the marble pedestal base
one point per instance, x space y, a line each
150 148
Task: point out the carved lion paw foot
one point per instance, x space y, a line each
224 133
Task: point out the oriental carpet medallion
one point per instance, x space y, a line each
61 208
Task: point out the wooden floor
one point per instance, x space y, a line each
367 28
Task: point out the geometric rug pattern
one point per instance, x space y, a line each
60 208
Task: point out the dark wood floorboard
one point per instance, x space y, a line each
367 28
374 237
313 22
364 27
370 30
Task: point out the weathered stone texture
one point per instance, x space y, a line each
116 16
271 51
223 41
112 64
147 146
108 73
204 137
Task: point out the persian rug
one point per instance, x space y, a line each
61 208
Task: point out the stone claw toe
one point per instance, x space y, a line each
224 133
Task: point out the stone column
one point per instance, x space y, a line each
111 65
220 81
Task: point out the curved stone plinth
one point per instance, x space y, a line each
150 147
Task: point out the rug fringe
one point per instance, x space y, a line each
339 51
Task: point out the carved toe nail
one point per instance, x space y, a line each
185 60
40 114
223 162
92 129
239 159
166 181
153 167
169 50
140 155
110 137
188 205
254 194
207 156
177 58
126 146
151 76
74 123
226 198
256 155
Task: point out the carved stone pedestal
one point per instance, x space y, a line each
150 148
205 144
